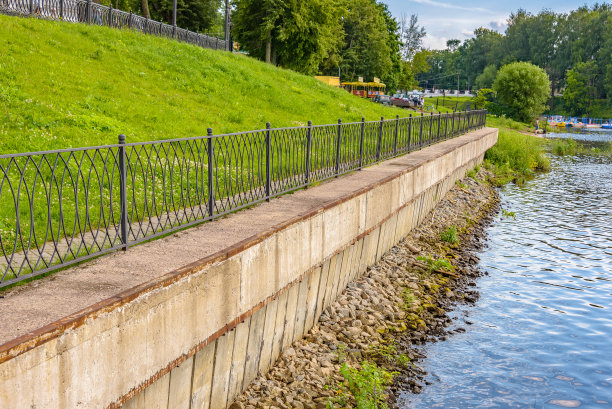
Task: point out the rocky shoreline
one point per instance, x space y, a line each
365 347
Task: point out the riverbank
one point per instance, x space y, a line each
369 336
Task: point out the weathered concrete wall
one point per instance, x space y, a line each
197 339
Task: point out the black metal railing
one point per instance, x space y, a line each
64 206
86 11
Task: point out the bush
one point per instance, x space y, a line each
523 89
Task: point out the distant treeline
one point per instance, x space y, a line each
574 49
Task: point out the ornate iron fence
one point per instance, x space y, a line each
86 11
64 206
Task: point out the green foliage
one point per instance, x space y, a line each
564 147
487 77
367 384
506 213
435 264
580 89
523 88
387 351
296 35
366 51
450 235
515 156
67 85
555 42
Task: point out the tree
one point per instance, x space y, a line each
411 36
523 89
366 50
194 15
487 77
295 34
580 91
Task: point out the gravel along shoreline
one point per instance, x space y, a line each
365 348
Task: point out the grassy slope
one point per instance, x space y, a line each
66 85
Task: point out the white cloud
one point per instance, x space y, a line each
451 6
434 43
498 25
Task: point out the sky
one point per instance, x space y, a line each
447 19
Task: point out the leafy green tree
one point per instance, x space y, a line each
523 89
579 92
366 50
295 34
487 77
194 15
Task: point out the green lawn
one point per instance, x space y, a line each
67 85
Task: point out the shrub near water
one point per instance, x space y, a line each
516 156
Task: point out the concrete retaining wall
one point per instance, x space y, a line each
199 338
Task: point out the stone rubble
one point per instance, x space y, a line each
398 301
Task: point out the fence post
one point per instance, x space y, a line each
438 131
446 125
268 159
395 135
361 143
409 132
453 125
308 148
31 7
379 144
88 11
130 19
110 15
338 142
61 11
430 127
421 132
123 224
211 180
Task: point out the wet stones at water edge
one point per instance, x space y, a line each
371 334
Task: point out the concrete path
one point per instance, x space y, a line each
34 307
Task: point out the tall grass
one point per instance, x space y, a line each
517 156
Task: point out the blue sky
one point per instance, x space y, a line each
445 19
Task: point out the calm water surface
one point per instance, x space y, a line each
541 334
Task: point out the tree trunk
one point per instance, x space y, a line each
145 9
268 47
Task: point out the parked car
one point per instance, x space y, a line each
382 99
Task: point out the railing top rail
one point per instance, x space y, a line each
214 136
61 207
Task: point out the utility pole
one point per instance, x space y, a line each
457 81
227 26
174 15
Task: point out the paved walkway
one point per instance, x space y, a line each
34 307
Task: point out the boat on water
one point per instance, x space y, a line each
577 125
593 126
560 124
606 126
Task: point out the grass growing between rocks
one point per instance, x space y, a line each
450 234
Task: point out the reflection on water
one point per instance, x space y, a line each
541 333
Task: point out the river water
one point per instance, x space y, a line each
540 335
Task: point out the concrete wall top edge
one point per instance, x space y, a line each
396 167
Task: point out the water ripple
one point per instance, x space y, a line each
542 329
